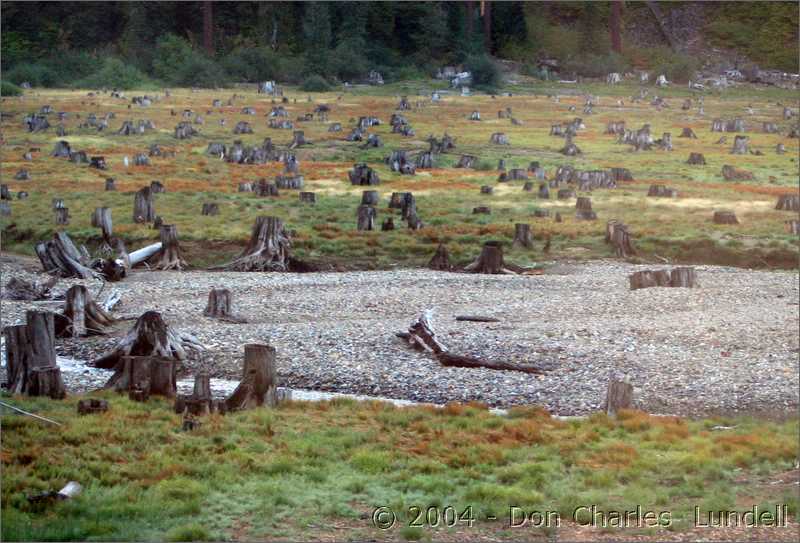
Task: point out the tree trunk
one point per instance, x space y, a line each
441 259
31 357
617 235
208 27
665 143
82 316
62 257
267 250
523 236
788 202
725 217
366 217
143 210
619 396
150 336
259 379
649 278
169 258
486 12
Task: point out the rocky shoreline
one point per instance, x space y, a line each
729 346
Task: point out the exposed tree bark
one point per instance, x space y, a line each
60 256
366 217
649 278
498 138
62 216
150 336
523 237
619 396
466 161
441 259
82 316
486 12
684 277
583 205
267 250
110 184
618 236
31 357
143 210
169 257
259 379
144 376
387 225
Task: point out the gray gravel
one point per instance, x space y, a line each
729 346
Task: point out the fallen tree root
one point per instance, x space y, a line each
421 336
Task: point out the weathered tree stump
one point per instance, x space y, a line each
143 376
780 149
210 208
725 217
696 159
734 174
141 159
769 128
793 227
98 162
298 139
361 174
151 337
649 278
661 191
110 184
618 396
82 316
499 138
466 161
62 149
259 379
528 186
481 210
370 198
31 357
60 256
740 145
487 189
169 257
441 259
584 209
788 202
387 225
683 277
688 133
267 250
263 188
541 213
570 149
21 289
366 217
101 218
544 191
5 194
308 197
491 261
665 143
523 237
475 116
184 130
618 236
565 194
91 406
157 187
62 216
143 210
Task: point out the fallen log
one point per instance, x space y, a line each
476 318
59 256
21 289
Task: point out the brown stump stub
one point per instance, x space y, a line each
259 379
31 357
441 259
788 202
219 303
308 197
618 396
685 277
583 205
696 159
91 406
725 217
366 215
210 208
618 236
169 257
267 250
143 210
82 315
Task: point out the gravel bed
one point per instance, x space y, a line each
729 346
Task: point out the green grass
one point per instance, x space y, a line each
295 471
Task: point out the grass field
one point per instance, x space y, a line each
680 230
318 471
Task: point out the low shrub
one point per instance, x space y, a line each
113 73
315 83
37 74
9 89
255 64
596 65
485 72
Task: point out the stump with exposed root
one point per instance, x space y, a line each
259 379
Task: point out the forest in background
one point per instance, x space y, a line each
316 44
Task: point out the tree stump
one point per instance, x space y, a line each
387 225
150 336
558 217
143 210
308 197
82 316
481 210
98 162
475 116
441 259
142 376
62 216
259 379
788 202
780 149
264 188
267 250
649 278
110 184
584 209
565 194
366 217
523 237
62 257
499 138
769 128
618 236
210 208
200 402
486 189
424 160
101 218
740 145
661 191
62 149
725 217
169 257
570 149
733 174
697 159
31 357
793 227
665 143
4 193
370 198
298 139
544 191
491 261
688 133
466 161
683 277
91 406
361 174
618 396
157 187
